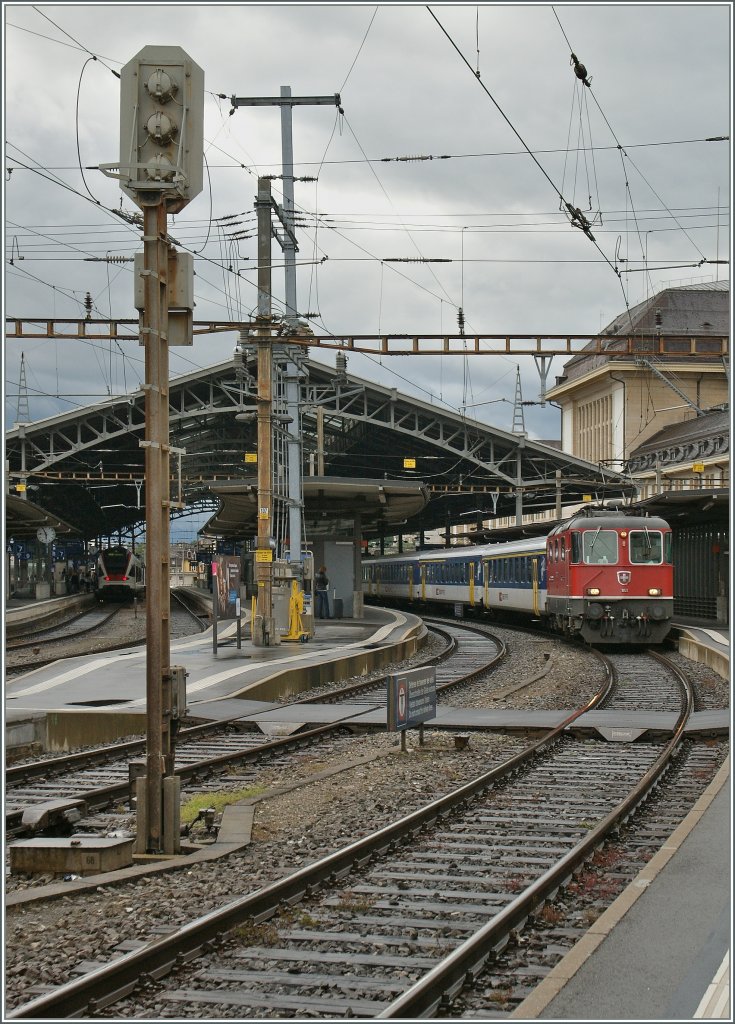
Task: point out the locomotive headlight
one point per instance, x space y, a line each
593 591
654 592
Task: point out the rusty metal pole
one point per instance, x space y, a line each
155 338
264 633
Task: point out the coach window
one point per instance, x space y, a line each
646 546
563 546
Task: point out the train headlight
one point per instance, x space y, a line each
593 591
658 611
654 592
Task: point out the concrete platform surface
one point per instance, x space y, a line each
116 680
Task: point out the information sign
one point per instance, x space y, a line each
226 573
411 698
263 555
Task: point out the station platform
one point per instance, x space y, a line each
102 697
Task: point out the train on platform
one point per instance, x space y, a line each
603 576
120 575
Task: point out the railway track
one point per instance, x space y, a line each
87 622
77 636
418 891
52 794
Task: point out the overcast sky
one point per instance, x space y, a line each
660 86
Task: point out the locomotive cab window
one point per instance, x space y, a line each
600 547
646 546
576 547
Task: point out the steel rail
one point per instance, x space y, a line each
35 636
104 986
448 978
103 796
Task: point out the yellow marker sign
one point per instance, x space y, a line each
586 497
20 488
251 456
698 467
409 463
263 555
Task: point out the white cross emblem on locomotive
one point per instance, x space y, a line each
624 578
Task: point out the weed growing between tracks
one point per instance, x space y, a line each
203 801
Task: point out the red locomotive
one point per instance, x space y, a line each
610 577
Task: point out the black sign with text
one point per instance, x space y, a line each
411 698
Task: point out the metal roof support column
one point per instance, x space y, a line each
519 485
557 477
295 490
357 604
263 629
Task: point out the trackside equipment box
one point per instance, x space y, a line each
411 698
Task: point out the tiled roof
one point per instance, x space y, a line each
691 309
692 430
701 310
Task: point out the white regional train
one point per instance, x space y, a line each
120 575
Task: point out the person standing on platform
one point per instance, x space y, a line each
321 585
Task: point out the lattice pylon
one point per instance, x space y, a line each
519 423
22 412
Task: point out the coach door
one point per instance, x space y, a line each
472 584
534 585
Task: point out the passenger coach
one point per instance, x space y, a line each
602 575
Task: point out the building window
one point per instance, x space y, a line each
594 429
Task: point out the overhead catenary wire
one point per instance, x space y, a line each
621 149
577 218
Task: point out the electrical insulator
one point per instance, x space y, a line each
460 320
340 364
88 305
659 318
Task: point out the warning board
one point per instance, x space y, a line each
411 698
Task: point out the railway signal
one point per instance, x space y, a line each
161 169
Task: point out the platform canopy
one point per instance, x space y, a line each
330 506
24 518
88 465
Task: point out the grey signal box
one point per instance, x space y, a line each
162 127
